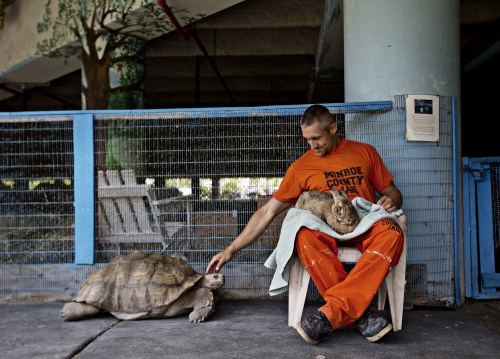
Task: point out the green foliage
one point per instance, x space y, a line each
231 189
206 193
129 72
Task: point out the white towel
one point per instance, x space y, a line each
279 260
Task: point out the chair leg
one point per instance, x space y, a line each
382 293
396 289
297 290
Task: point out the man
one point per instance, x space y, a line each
358 169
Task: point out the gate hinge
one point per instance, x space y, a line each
477 172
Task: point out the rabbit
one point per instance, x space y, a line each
336 209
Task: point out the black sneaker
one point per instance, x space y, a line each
373 325
314 328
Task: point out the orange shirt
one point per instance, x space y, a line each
353 166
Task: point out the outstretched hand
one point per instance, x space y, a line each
218 261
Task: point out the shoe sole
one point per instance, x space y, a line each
304 336
380 334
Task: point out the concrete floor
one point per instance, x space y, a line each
242 329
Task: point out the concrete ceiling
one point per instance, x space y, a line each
22 66
480 37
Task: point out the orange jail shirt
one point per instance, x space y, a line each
353 166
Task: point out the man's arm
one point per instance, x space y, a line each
391 199
257 224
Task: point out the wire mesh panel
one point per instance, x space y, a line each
36 204
204 173
173 82
424 173
185 182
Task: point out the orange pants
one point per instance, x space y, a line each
347 296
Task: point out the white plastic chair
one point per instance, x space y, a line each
394 285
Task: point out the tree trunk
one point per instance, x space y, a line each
96 89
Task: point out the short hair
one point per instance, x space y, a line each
317 114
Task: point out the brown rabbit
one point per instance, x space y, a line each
336 210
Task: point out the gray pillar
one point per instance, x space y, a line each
401 47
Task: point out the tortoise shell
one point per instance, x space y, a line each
138 282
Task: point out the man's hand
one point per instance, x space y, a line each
218 261
391 199
388 204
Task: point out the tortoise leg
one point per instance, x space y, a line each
202 302
77 311
204 305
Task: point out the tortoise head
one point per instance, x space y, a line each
213 280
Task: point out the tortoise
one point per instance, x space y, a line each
143 285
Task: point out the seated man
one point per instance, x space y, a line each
358 169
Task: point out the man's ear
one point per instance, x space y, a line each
333 128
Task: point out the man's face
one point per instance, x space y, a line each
321 141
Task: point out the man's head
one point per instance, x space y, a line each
319 129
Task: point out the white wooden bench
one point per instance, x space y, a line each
129 212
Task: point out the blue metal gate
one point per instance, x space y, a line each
482 226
